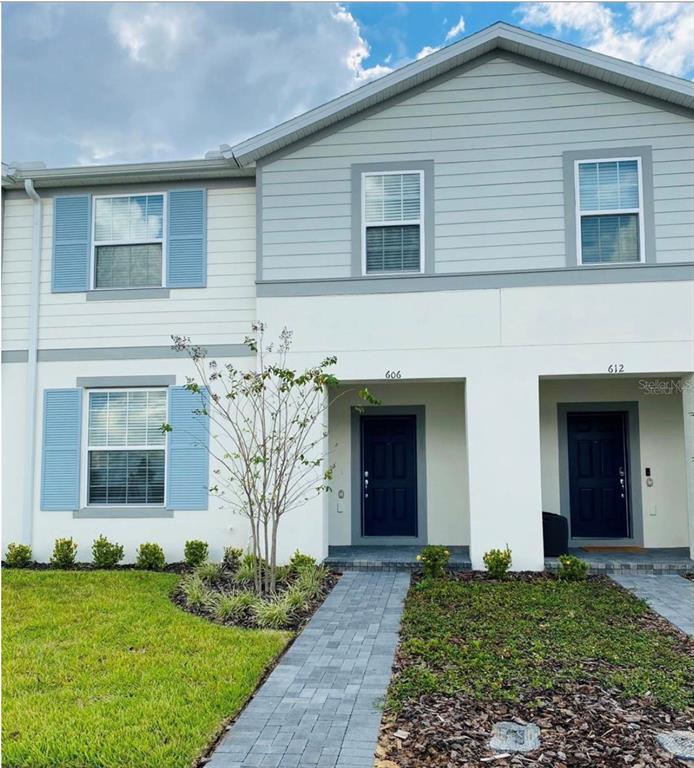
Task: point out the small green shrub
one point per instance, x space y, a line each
209 571
283 573
232 558
572 568
294 598
196 592
195 552
150 557
18 555
64 552
300 562
245 573
272 614
434 558
310 582
106 554
497 562
234 606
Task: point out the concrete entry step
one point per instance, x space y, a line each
646 561
388 558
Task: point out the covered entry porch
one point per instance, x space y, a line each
609 454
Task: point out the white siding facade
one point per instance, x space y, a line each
221 313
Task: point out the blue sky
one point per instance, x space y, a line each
125 82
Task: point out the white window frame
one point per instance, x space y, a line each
402 223
84 474
611 212
95 243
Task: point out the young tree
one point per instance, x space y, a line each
267 431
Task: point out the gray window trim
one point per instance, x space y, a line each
355 436
631 408
427 168
568 161
97 382
120 294
108 513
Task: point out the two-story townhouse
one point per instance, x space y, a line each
498 240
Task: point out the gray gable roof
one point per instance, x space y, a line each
499 36
239 161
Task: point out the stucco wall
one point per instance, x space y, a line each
302 529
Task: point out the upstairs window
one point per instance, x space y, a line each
126 448
610 211
392 221
128 241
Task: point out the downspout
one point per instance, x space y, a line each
32 366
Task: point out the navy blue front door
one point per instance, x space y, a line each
389 475
598 475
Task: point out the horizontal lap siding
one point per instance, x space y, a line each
221 313
496 134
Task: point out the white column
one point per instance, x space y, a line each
688 409
503 437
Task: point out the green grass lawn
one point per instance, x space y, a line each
101 670
501 641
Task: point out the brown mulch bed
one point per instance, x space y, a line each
226 584
582 725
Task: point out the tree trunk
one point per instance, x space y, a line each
266 545
273 554
257 573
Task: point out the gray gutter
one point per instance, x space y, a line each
223 167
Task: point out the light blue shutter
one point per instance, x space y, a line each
187 471
71 243
60 456
186 246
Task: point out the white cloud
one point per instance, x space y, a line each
657 35
456 30
426 51
360 50
169 80
155 36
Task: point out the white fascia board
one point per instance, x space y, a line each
499 36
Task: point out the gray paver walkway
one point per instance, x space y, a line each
670 596
321 706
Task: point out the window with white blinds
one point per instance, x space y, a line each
126 447
609 212
128 241
392 204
